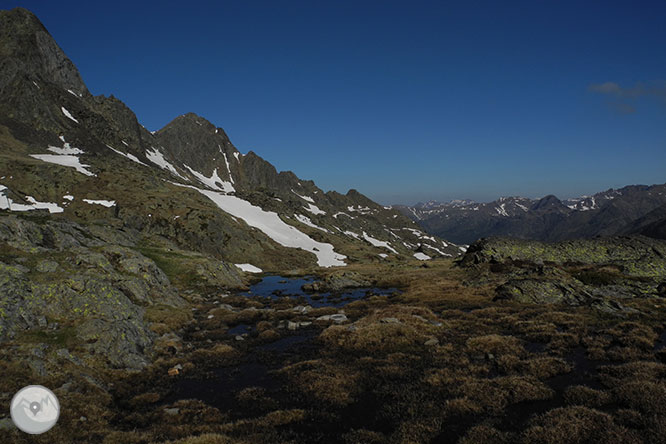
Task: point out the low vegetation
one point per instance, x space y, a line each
442 360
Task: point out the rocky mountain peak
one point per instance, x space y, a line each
548 202
195 142
29 51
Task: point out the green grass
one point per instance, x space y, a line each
63 338
174 264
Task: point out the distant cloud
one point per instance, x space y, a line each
655 90
606 88
622 108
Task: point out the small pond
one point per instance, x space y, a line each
275 287
257 369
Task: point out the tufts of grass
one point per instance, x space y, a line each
576 425
585 396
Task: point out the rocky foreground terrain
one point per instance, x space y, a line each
170 289
514 342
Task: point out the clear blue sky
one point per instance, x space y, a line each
404 101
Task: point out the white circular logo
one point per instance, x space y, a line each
35 409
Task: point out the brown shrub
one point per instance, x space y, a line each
263 326
486 435
493 395
372 334
145 398
627 354
585 396
495 344
644 396
168 318
208 438
269 336
633 334
546 367
563 341
612 375
363 437
460 407
574 425
125 437
326 381
218 352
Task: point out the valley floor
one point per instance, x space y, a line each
438 361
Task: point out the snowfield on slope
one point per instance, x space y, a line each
104 203
249 268
158 159
7 203
314 209
378 243
129 156
213 182
272 226
306 220
68 114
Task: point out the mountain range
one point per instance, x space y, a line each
87 159
634 209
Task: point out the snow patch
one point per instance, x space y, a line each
306 220
65 156
422 257
104 203
7 203
130 156
158 159
307 198
378 243
272 226
227 162
66 150
249 268
65 160
68 114
437 250
314 209
214 182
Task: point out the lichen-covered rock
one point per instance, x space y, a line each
29 236
637 256
94 290
16 312
539 291
219 274
595 272
123 343
47 266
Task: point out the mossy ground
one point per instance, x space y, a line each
440 362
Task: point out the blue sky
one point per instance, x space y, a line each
404 101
